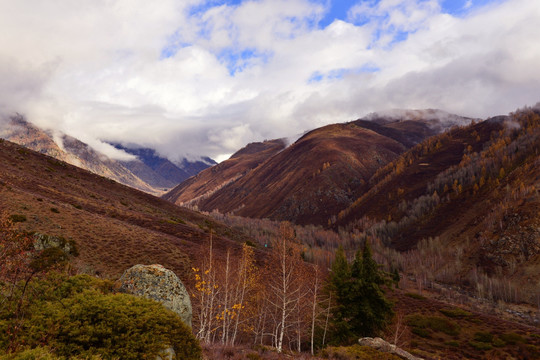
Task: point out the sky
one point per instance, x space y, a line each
205 77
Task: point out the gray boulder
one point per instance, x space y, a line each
384 346
157 283
42 242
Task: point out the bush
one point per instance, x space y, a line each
499 343
79 316
17 218
32 354
480 345
355 352
415 296
435 323
484 337
455 313
512 338
421 332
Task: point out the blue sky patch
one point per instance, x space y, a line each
171 49
338 11
462 7
200 9
342 72
238 60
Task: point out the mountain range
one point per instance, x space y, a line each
114 226
147 171
450 203
453 182
317 176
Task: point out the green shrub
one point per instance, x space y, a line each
480 345
415 296
32 354
499 342
435 323
484 337
452 343
421 332
512 338
48 258
355 352
455 313
17 218
80 316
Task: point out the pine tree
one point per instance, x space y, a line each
371 310
339 288
360 308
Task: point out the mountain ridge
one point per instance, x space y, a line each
135 173
346 155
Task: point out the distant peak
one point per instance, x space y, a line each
437 119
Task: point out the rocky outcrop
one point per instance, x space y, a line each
157 283
384 346
42 242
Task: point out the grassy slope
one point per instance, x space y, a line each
314 178
114 226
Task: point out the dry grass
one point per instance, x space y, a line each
448 332
113 225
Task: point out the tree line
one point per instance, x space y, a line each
282 301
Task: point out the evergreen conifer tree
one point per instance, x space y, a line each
339 288
360 308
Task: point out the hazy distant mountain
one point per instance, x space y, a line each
159 171
318 175
71 151
149 172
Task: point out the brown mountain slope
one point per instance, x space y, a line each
475 192
114 226
207 182
316 177
407 178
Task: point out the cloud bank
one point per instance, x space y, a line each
205 77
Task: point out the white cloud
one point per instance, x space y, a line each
208 82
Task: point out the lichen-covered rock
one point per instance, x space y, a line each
167 354
157 283
42 242
384 346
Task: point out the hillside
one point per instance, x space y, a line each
147 172
207 182
114 226
319 175
468 199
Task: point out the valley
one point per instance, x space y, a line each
451 215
